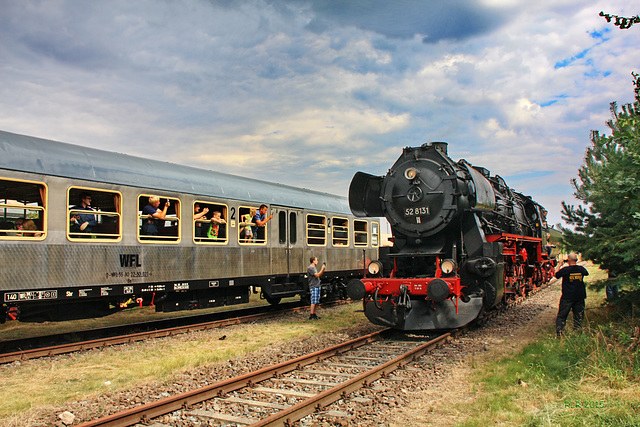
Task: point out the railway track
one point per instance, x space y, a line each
284 393
33 348
281 394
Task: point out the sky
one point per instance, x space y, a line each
307 93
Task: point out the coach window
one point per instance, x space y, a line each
210 223
360 232
316 230
23 210
158 230
340 232
293 228
282 227
247 228
375 234
93 214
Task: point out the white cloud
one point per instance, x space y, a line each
268 88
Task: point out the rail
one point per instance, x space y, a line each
309 404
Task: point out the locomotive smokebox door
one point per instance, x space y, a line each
420 191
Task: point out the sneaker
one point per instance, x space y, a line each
314 317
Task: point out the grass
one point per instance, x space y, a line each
587 378
36 383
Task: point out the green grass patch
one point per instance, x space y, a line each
587 378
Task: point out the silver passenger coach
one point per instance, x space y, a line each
51 266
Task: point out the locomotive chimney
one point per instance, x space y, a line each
440 146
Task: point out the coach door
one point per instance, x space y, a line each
289 249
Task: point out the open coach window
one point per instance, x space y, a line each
360 232
155 224
248 232
94 214
23 210
210 223
340 232
316 230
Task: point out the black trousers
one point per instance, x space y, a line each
566 306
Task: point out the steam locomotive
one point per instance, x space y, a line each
463 242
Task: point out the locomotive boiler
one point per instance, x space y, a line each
463 241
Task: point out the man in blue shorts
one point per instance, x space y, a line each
315 285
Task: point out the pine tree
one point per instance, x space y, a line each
622 22
606 229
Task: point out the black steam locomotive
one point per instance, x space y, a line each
463 241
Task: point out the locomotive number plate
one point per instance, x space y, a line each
420 210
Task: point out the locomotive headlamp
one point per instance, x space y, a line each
448 267
375 267
411 173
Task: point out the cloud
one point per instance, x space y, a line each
309 92
318 141
404 19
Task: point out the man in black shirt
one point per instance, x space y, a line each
573 293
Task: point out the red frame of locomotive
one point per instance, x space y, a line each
516 282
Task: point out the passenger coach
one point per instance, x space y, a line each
50 266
